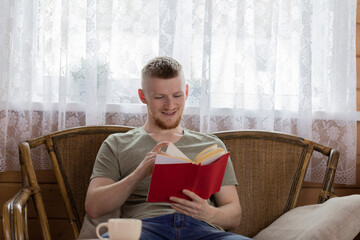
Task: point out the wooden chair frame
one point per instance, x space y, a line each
15 210
307 146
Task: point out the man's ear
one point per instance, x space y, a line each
186 91
142 95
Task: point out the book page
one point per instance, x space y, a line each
173 155
211 156
167 159
206 150
172 150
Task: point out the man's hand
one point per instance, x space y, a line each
146 167
226 214
197 208
105 190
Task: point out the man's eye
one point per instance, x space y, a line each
159 97
177 96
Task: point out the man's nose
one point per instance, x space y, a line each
169 103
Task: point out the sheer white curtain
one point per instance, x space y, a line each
275 65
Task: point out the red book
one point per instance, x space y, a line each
172 174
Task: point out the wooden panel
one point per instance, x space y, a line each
10 176
357 39
308 196
60 229
358 68
7 191
54 205
1 229
43 176
358 12
347 191
358 139
358 169
358 83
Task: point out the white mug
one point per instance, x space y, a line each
121 229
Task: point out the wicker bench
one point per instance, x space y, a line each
270 169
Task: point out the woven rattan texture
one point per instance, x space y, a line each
76 156
265 169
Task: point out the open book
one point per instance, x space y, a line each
173 172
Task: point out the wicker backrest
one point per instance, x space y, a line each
270 169
76 153
73 152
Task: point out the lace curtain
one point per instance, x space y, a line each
281 65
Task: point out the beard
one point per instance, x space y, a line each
163 124
166 123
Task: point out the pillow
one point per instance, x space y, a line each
337 218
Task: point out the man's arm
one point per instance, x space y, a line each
227 214
104 195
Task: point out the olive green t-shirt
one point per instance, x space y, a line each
121 153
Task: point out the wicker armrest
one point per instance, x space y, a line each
326 195
15 215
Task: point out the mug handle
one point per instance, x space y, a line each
104 224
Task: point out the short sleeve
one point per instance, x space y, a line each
106 163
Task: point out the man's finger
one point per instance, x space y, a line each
191 195
159 146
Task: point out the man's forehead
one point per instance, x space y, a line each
176 81
165 86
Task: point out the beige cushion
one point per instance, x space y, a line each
337 218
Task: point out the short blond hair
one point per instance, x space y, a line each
161 67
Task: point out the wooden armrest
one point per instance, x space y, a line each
327 189
327 195
15 215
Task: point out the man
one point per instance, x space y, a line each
123 168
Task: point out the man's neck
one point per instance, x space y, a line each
159 135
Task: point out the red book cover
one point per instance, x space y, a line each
170 179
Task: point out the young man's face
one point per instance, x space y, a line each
165 99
